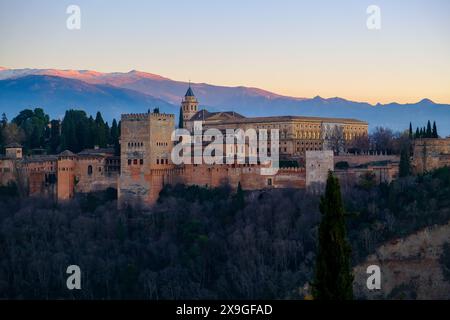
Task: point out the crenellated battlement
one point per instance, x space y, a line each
146 116
162 115
291 169
135 116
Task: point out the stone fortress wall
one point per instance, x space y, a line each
430 154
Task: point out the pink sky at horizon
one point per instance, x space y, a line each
278 91
288 47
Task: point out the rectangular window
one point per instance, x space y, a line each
129 162
269 182
141 162
135 161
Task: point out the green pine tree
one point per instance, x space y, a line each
435 134
100 131
428 133
405 165
55 137
3 124
239 198
114 137
333 277
4 120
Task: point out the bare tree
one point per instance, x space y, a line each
359 144
12 133
401 142
382 140
336 140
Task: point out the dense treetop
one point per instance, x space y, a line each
34 130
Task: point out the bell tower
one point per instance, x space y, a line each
189 105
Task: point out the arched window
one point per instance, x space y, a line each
89 170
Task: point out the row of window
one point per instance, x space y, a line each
135 161
135 144
186 108
111 162
308 149
162 161
90 170
141 161
308 143
39 169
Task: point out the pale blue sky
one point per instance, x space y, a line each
298 48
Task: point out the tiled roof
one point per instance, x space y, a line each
67 153
99 151
189 92
292 118
40 158
13 145
206 115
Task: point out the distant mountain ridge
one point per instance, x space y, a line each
56 95
135 91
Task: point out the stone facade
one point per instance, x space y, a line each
297 134
145 154
430 154
62 176
146 164
383 168
354 160
7 170
318 163
13 151
381 173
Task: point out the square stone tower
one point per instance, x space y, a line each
318 163
66 175
14 151
145 147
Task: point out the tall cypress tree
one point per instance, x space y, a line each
180 119
435 134
428 134
410 131
3 124
333 277
417 135
55 136
114 136
239 198
99 131
4 120
405 165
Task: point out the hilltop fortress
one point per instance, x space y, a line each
145 164
146 145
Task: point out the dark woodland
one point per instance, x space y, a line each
198 243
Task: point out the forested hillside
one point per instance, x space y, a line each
198 243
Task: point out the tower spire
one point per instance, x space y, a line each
189 105
189 92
